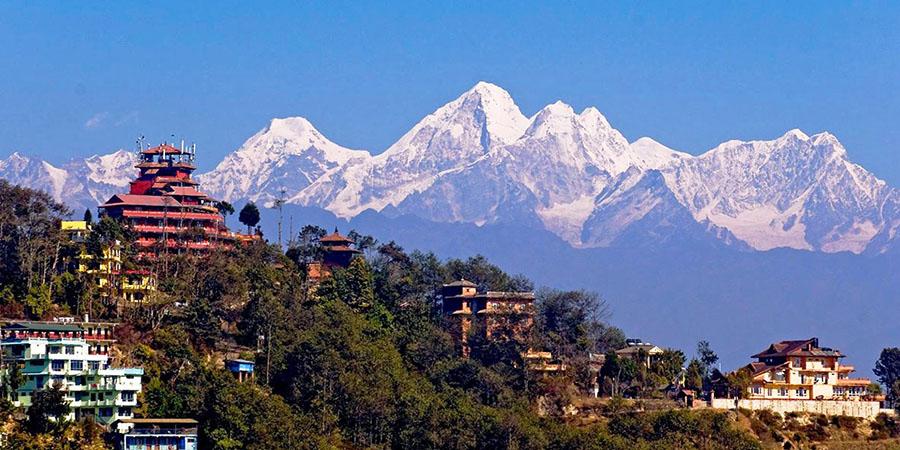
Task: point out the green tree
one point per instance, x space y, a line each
694 375
225 209
707 357
88 216
619 372
249 215
887 369
48 410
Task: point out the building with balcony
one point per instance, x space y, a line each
111 281
801 370
498 315
166 210
157 434
75 356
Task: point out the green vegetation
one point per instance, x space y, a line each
362 360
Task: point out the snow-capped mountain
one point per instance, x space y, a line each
80 183
479 160
455 136
289 155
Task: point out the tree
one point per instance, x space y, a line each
249 215
48 410
707 357
306 248
619 371
887 369
693 378
739 381
225 209
88 217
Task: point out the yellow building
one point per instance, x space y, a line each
111 280
801 370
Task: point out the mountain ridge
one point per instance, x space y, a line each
477 159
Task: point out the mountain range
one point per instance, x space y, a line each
479 160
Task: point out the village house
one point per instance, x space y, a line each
641 352
156 434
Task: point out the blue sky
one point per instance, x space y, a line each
82 78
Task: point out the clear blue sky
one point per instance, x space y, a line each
87 77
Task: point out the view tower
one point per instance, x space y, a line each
164 207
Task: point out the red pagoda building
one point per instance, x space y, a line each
165 209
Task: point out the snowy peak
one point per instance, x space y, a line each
283 158
653 155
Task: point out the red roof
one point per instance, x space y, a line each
140 200
805 347
335 238
186 191
163 148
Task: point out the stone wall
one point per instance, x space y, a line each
864 409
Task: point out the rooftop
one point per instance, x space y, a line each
150 420
805 347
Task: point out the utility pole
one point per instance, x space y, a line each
278 205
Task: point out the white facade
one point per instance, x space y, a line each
92 387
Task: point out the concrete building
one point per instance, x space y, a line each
157 434
241 368
47 353
803 370
641 352
500 315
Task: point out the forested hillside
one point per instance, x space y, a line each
362 360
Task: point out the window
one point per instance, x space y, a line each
79 396
70 350
797 362
39 381
76 365
757 390
94 365
57 365
127 396
801 392
54 350
783 392
105 412
125 411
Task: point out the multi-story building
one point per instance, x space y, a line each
75 356
165 209
803 370
111 281
501 315
641 352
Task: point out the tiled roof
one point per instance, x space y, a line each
335 237
140 200
42 326
461 283
806 347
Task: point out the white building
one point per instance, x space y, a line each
64 353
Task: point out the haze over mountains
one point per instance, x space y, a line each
479 160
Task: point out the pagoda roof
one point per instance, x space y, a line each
341 249
140 200
335 238
168 149
185 191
